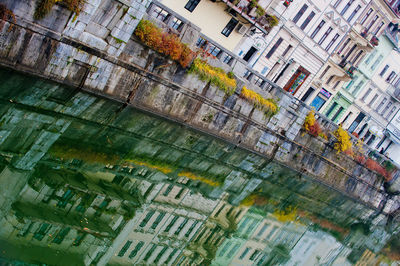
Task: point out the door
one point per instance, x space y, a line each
296 80
249 54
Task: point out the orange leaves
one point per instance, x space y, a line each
165 43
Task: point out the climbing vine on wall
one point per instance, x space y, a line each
215 75
44 7
6 14
312 126
269 106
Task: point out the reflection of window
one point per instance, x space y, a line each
229 27
254 255
136 249
225 248
244 253
121 253
181 226
191 5
147 218
233 250
171 224
158 220
191 228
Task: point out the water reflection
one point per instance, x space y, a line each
85 180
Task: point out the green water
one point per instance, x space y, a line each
85 180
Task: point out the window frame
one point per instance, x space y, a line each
191 5
230 26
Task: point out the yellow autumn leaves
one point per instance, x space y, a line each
269 106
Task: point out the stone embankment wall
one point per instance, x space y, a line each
96 51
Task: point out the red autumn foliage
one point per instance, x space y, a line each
315 129
360 159
355 135
374 166
6 14
163 42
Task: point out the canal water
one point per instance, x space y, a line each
86 180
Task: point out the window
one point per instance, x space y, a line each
373 100
158 220
307 21
366 95
227 59
121 253
273 49
370 57
356 57
325 35
160 13
229 27
244 253
344 46
337 3
201 42
330 110
136 249
336 84
288 48
147 218
378 28
171 224
376 63
301 12
219 210
214 50
258 81
390 77
355 11
41 231
391 112
322 23
386 108
323 73
358 87
381 104
384 70
330 79
332 42
346 7
176 23
191 5
366 16
372 22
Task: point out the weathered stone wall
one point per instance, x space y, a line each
96 52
